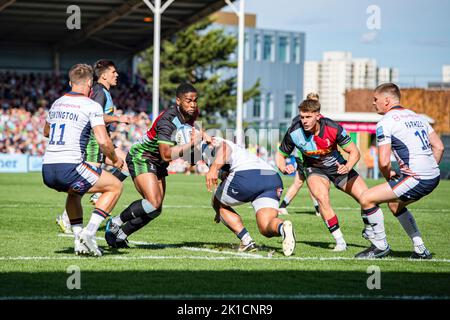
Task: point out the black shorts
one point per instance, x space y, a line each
339 180
138 165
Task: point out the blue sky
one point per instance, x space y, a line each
414 35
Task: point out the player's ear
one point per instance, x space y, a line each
178 100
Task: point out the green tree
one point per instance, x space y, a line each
201 57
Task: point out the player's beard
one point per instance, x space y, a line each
189 117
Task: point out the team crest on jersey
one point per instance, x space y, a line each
79 185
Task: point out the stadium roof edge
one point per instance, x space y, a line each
123 27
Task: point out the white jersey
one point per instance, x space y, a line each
407 132
241 159
71 119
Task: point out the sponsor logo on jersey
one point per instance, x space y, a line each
380 133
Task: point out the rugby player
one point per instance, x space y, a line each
107 76
248 179
300 177
147 162
68 126
317 138
418 151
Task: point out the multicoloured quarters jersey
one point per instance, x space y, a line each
101 95
318 151
144 156
408 132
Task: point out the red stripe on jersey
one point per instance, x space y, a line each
151 133
328 140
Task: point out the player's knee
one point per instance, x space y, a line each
364 200
323 199
117 186
155 201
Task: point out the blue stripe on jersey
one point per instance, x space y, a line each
109 105
176 122
304 143
401 149
84 137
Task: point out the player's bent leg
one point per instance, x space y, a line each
74 211
409 224
320 189
372 215
151 188
270 225
111 189
233 221
355 187
139 213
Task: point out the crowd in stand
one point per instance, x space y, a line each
26 98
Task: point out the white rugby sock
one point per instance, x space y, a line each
408 223
76 228
116 220
376 219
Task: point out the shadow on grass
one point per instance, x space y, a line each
329 245
308 212
241 283
219 246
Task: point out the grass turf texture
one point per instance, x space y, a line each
184 254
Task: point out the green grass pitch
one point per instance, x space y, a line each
184 254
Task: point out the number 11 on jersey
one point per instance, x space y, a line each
61 137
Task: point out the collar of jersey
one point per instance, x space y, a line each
73 93
398 107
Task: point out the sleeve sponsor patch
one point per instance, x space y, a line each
380 134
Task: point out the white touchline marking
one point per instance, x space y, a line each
160 245
235 256
231 255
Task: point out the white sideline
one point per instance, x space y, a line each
298 296
235 256
231 255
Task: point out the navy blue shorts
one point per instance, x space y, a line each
70 177
263 188
408 188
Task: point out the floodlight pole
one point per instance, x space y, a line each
157 12
240 73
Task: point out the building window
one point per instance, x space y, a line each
297 51
257 48
283 49
268 53
268 106
257 107
283 128
288 105
246 47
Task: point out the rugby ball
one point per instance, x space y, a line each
183 134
